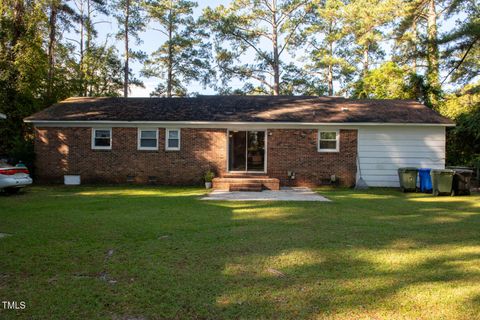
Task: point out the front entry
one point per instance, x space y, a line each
246 151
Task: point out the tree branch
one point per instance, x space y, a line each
248 42
161 31
253 76
289 37
461 60
268 6
286 14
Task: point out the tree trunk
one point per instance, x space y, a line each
276 58
88 41
82 49
170 54
330 72
432 54
127 54
415 49
52 24
330 80
18 24
366 60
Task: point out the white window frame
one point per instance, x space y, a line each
139 139
337 139
167 133
94 147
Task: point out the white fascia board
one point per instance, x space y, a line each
222 124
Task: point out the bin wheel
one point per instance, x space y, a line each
403 189
435 192
453 193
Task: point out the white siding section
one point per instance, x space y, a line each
382 150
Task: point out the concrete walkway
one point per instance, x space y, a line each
285 194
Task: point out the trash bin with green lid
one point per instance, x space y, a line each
461 181
408 179
442 181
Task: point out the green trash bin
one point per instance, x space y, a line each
442 181
408 179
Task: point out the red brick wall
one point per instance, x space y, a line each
296 150
62 151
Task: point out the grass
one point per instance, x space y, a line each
160 253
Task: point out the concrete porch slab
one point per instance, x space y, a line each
284 194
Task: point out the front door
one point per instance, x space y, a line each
246 151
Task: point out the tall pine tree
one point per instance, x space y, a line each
329 43
184 56
131 21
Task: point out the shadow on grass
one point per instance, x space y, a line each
367 253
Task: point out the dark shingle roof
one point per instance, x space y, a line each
305 109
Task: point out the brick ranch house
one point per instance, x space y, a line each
291 141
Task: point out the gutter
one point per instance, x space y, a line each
223 124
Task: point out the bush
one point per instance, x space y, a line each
22 151
209 175
463 141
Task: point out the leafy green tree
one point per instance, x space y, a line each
107 76
185 55
240 28
463 141
389 81
38 67
463 101
23 66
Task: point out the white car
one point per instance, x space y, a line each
13 179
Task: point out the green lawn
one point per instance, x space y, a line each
160 253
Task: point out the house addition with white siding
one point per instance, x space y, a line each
382 150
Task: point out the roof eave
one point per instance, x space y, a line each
267 124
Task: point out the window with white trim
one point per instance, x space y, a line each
102 138
328 141
172 139
147 139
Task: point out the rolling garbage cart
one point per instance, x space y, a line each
442 181
462 181
408 179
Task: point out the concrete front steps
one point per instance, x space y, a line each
245 187
239 182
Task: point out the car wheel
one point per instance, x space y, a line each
12 190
